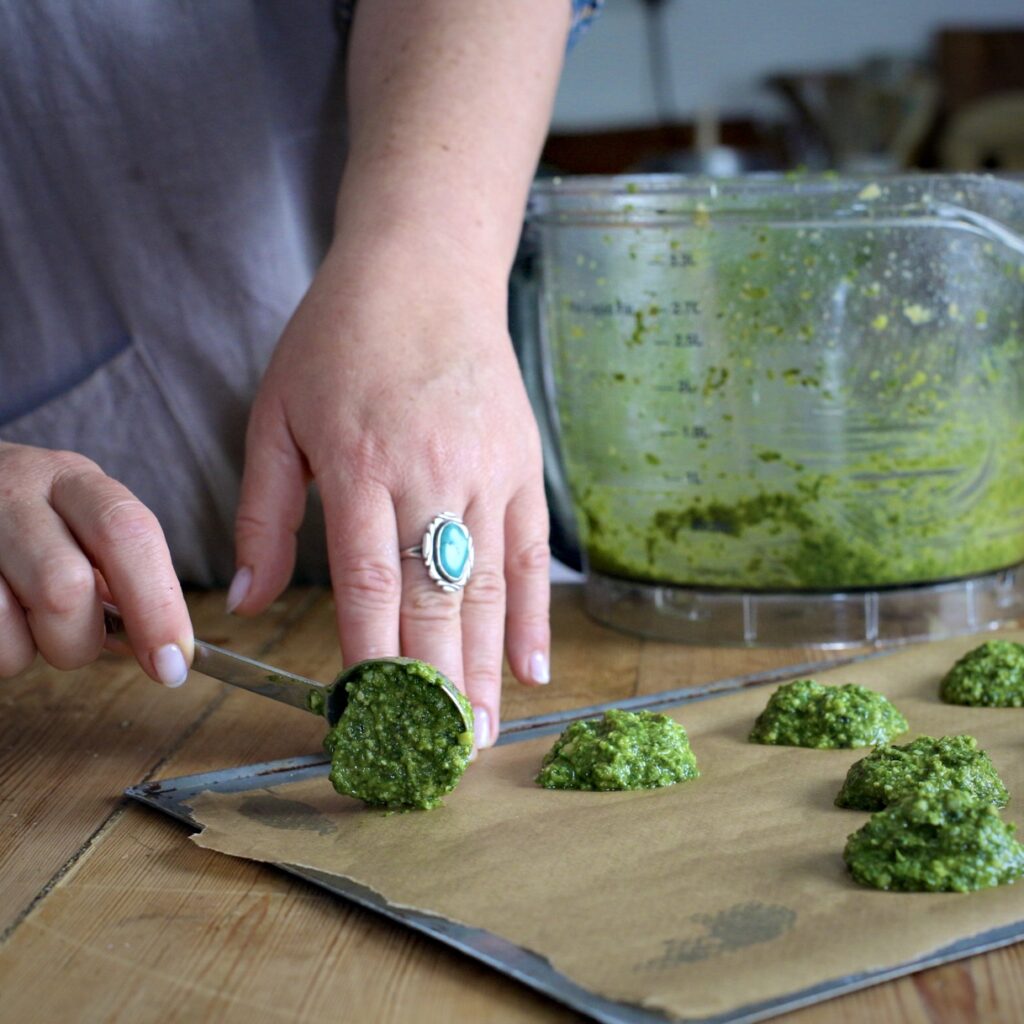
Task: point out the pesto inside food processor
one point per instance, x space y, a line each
789 389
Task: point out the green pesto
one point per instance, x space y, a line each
732 519
805 713
935 842
991 676
316 702
802 412
826 531
928 766
622 750
401 742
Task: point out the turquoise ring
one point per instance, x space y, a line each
447 551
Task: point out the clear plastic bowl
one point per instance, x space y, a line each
787 393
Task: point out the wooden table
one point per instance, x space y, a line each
109 913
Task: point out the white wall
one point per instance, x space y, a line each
722 49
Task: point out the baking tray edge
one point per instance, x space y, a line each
172 796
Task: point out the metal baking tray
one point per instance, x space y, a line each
173 797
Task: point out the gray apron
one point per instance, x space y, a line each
167 179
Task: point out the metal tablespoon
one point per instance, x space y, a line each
326 699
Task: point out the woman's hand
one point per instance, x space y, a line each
70 536
395 388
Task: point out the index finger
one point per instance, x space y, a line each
124 540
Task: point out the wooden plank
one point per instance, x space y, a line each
149 928
590 663
665 666
70 742
163 931
145 927
246 728
983 989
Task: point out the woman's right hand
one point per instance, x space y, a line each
70 536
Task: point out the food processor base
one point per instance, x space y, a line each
723 618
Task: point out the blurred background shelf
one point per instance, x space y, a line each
747 85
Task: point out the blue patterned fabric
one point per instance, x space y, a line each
583 13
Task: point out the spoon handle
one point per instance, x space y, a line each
243 672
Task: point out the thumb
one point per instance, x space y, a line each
270 510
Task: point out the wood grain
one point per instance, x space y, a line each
148 928
589 663
664 666
70 742
143 926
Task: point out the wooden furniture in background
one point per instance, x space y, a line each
628 150
976 62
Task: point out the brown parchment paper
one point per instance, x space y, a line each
696 899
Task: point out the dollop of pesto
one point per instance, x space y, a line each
401 742
927 766
622 750
939 842
804 713
991 676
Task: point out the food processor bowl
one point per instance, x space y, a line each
787 410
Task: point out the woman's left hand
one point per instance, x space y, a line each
396 389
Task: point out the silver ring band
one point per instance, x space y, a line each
446 551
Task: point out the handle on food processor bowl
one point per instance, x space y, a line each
992 204
524 326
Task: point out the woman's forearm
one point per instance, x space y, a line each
449 103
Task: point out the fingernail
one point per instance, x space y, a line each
169 665
239 588
481 728
539 671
